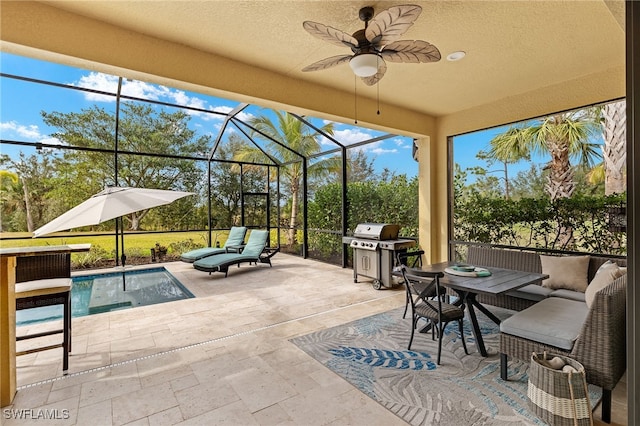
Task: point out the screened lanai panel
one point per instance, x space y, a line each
54 180
54 73
198 103
160 129
40 113
530 195
203 115
238 142
324 169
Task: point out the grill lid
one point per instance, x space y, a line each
377 231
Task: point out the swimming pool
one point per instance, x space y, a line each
94 294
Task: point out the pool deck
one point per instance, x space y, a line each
223 357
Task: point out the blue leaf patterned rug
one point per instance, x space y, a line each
464 389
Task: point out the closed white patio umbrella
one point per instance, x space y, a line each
109 204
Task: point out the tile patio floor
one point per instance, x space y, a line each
221 358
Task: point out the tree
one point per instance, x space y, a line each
35 181
8 183
142 130
528 183
289 132
360 168
225 178
614 125
506 148
563 136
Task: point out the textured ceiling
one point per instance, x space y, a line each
512 47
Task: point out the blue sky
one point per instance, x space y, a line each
22 102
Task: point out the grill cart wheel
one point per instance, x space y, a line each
377 284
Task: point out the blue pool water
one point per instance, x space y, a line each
93 294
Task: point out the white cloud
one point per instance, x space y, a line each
347 137
101 82
31 132
242 116
139 89
400 142
380 150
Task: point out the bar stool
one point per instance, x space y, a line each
45 280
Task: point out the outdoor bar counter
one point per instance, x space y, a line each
8 310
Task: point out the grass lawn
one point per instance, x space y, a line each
137 246
103 246
133 242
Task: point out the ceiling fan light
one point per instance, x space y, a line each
365 64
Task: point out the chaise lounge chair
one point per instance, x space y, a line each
256 251
235 239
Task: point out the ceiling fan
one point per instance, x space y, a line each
375 44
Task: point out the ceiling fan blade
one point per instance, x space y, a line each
327 63
390 24
410 51
370 81
330 34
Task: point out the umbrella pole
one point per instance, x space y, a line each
123 257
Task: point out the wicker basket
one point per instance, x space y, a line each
556 397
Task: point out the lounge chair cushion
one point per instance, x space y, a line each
235 238
220 260
194 255
554 321
255 246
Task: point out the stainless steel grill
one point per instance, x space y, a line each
374 252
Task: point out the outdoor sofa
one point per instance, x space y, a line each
587 326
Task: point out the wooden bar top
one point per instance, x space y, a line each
38 250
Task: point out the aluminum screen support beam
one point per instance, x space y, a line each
632 28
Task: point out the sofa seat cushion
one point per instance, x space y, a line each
568 294
531 292
554 321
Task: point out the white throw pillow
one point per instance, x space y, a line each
568 272
606 274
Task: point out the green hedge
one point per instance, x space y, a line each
580 223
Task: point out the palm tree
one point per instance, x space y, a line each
289 132
614 124
563 136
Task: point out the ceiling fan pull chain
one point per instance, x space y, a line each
378 90
355 98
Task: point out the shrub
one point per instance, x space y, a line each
184 246
94 256
579 223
